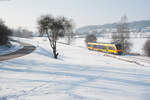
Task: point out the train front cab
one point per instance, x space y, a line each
119 49
111 49
114 49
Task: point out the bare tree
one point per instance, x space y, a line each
69 37
54 28
5 32
90 38
147 47
122 35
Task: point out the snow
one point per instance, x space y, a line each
78 74
6 50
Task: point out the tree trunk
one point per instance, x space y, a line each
53 45
55 53
54 50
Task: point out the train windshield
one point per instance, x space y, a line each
118 46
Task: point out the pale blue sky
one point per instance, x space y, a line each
24 13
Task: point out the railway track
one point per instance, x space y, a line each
140 59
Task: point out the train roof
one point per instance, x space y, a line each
104 43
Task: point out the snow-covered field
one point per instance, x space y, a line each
78 74
6 50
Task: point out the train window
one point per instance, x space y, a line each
89 45
118 46
100 47
95 46
103 47
111 48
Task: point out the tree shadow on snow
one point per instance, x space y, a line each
47 53
74 71
66 70
44 52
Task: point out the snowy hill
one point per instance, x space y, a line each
135 26
78 74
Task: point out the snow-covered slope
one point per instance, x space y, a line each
78 74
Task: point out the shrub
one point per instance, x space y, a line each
5 32
147 47
90 38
